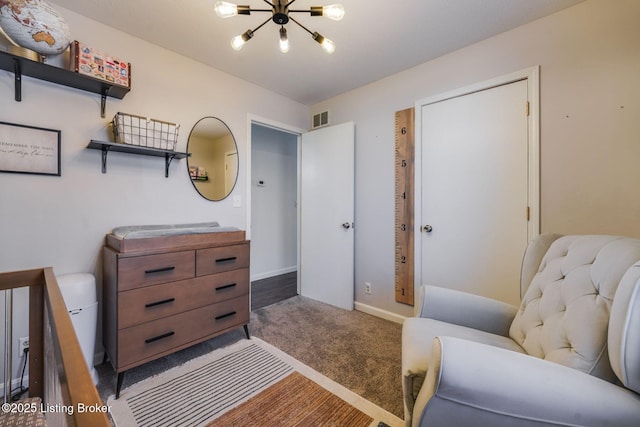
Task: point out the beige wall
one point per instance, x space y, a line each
62 221
77 209
590 140
589 58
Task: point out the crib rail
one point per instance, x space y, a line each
57 370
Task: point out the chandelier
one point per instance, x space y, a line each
280 14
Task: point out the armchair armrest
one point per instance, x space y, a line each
475 384
464 309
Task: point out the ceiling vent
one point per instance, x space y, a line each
320 119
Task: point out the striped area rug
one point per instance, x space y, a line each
201 394
240 383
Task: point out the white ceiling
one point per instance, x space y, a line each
375 39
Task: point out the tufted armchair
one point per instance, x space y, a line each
568 356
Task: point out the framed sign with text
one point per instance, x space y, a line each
29 149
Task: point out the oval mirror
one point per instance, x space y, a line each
213 164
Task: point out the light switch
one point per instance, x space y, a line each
237 201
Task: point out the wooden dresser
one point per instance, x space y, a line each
163 294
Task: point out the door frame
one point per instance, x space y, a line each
282 127
227 181
532 75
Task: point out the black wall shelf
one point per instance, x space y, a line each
105 147
21 66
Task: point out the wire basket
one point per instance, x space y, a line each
144 132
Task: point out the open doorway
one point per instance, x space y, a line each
274 214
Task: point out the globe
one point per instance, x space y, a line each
35 25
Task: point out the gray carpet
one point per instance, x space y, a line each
357 350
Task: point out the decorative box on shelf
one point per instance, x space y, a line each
144 132
90 62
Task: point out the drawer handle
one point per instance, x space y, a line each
159 337
159 270
232 258
222 316
232 285
164 301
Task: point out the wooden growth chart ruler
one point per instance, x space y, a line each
404 205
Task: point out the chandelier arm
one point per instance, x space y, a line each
260 10
261 25
269 3
300 10
301 26
290 3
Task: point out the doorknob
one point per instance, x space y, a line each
346 225
427 228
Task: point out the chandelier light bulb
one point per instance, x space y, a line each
328 46
225 9
333 11
237 42
284 40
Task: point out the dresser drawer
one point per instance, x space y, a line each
154 302
136 272
225 258
149 339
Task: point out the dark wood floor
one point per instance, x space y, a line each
268 291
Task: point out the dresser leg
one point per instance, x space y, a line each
246 331
119 384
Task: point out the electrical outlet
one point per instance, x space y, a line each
367 287
23 344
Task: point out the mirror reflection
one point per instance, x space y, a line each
213 164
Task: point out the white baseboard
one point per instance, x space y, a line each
378 312
268 274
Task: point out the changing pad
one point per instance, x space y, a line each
146 231
138 238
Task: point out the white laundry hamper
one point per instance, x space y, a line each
79 294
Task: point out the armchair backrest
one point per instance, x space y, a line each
536 249
565 312
624 330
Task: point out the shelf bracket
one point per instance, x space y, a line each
105 151
103 100
167 161
17 76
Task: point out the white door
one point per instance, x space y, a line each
327 215
474 191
